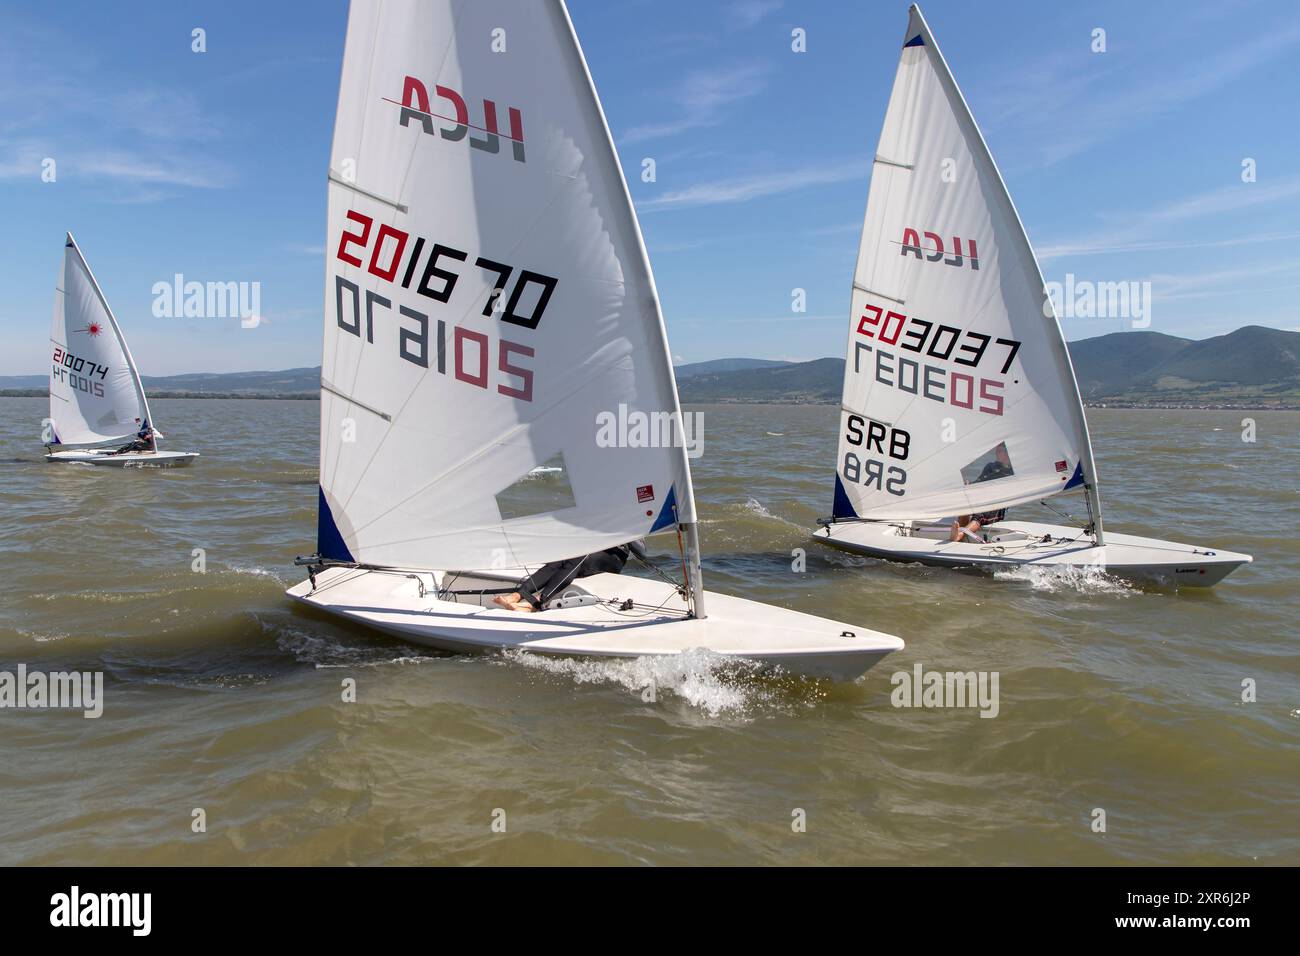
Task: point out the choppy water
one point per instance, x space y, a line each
222 696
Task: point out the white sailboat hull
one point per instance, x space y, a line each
409 605
130 459
1030 544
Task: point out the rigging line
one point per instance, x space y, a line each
1064 514
681 549
655 568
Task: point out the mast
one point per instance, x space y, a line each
695 578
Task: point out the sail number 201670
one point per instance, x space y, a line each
518 297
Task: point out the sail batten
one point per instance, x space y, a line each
488 298
959 396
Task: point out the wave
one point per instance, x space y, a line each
714 683
1084 580
324 651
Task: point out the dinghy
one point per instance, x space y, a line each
95 390
489 310
959 396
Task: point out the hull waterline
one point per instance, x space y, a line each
130 459
1012 544
627 618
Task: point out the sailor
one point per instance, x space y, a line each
550 579
969 525
143 441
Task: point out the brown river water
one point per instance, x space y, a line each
220 695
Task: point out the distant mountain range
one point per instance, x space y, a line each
289 383
1252 367
724 365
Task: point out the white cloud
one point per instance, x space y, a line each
1064 104
1172 286
1139 231
755 186
144 139
748 13
701 98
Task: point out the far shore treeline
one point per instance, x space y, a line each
1253 367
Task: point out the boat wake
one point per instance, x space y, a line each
717 685
1084 580
323 651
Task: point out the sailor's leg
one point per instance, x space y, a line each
558 581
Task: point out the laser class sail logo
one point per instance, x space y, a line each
933 249
93 329
415 106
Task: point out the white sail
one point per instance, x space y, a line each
959 395
488 301
95 391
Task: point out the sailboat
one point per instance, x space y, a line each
959 398
95 391
490 310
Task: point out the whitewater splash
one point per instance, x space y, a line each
759 510
256 572
1084 580
711 682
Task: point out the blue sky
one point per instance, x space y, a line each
1125 165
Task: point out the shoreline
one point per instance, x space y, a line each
776 400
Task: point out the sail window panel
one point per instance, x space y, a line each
990 466
541 490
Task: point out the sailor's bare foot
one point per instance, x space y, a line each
507 601
525 607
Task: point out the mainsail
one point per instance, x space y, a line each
488 300
959 395
95 391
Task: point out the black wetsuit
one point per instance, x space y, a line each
137 444
550 579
